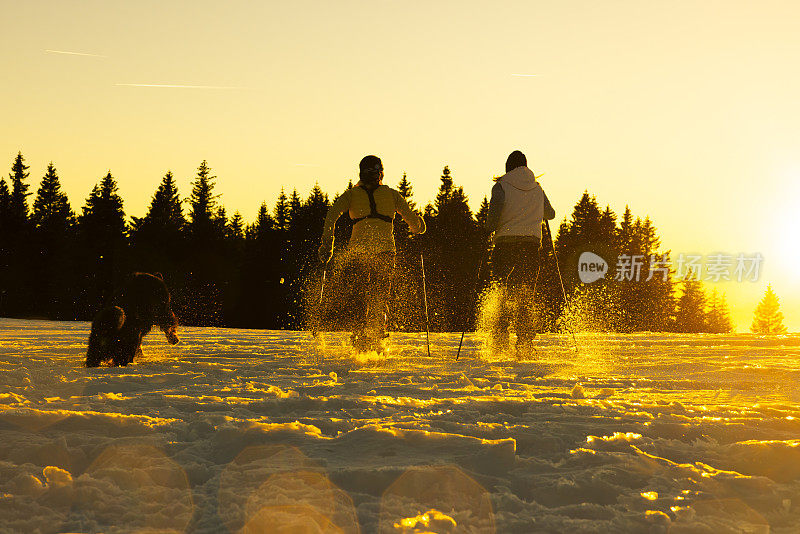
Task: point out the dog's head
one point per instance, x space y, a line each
169 325
171 332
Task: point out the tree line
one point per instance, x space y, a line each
222 271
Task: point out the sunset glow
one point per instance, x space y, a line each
686 112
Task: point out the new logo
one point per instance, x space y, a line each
591 267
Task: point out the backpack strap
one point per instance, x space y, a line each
373 208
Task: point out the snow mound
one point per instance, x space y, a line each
246 431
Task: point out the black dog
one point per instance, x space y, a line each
118 329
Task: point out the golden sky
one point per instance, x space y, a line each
688 111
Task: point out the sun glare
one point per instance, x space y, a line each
786 231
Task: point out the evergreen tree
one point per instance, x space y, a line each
52 213
18 204
5 200
768 318
235 230
719 318
203 204
220 222
305 235
691 313
453 247
103 217
54 222
212 264
406 307
625 232
445 189
607 225
262 299
295 205
157 239
405 190
402 234
102 230
165 216
16 243
483 212
282 212
5 245
599 303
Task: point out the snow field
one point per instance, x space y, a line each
262 431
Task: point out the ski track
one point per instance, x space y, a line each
249 430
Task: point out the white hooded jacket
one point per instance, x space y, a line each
524 205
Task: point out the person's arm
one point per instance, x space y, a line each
549 212
495 207
339 206
414 220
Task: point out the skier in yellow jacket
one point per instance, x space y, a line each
370 253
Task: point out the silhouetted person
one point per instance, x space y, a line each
370 254
516 211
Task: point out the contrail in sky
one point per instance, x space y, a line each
73 53
176 86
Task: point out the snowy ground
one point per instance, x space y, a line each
265 431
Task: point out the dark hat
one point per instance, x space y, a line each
516 159
370 169
370 164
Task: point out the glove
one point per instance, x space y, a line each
324 253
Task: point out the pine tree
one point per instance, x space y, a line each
405 190
402 233
103 217
208 256
165 215
607 225
483 212
203 204
768 318
304 238
5 204
453 247
625 232
220 222
406 307
691 312
52 213
102 229
158 240
445 190
5 246
282 212
18 204
235 229
17 244
295 206
53 221
719 318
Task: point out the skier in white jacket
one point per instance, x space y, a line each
516 211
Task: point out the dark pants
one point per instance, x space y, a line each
369 281
515 268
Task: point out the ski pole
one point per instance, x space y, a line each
560 279
322 286
425 300
474 290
